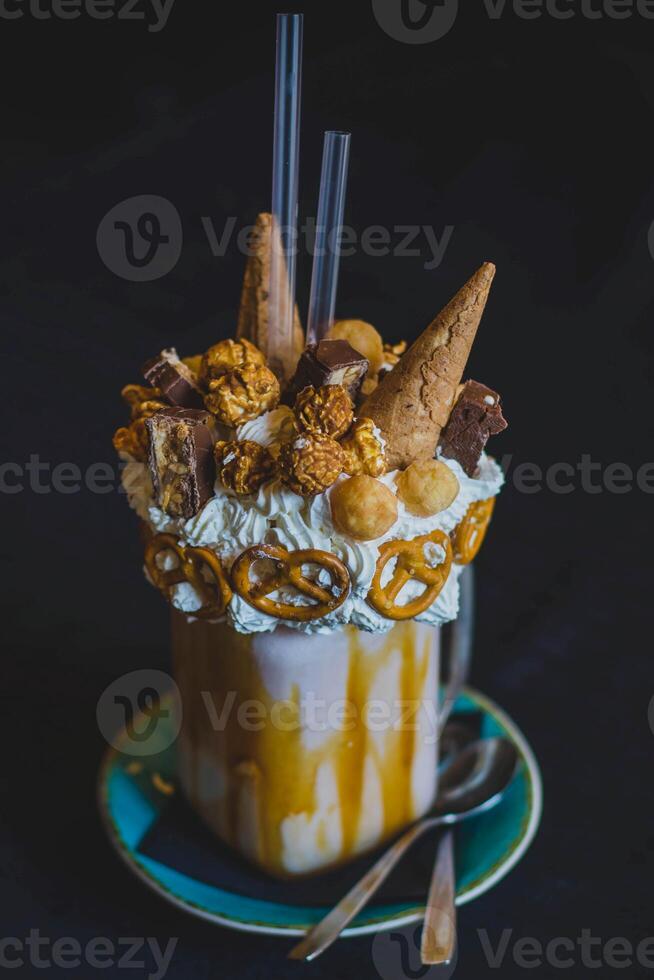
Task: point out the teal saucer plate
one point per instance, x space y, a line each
133 795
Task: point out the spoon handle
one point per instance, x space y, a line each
322 935
439 927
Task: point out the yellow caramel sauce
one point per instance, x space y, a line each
268 772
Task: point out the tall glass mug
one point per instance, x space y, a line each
303 751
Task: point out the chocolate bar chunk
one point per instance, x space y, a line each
174 379
180 458
477 415
329 362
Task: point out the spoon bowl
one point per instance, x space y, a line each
470 783
475 780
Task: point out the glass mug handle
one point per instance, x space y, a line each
459 646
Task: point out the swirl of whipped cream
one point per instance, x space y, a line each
229 524
269 429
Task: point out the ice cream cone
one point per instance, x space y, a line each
413 402
253 315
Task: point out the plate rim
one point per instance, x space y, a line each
385 921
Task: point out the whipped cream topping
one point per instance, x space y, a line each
228 524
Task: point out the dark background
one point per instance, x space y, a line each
533 139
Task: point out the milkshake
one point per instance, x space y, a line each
309 533
326 745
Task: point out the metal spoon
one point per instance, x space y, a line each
470 783
439 929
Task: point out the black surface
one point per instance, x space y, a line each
532 138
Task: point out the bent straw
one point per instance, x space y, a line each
326 260
286 147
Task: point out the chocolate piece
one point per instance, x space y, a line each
477 415
180 458
329 362
174 379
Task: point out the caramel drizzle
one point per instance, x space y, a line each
269 773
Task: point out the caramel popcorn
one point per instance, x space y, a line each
364 450
327 411
363 507
363 337
133 440
427 487
226 355
144 410
193 363
243 394
392 353
243 466
143 403
309 464
136 394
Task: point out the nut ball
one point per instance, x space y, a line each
363 507
327 411
309 464
243 394
226 355
427 487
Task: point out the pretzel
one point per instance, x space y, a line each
468 536
411 564
215 595
288 571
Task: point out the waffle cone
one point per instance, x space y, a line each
413 402
253 314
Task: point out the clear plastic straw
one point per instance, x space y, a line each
286 156
326 260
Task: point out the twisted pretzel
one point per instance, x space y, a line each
469 535
214 595
288 571
411 564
